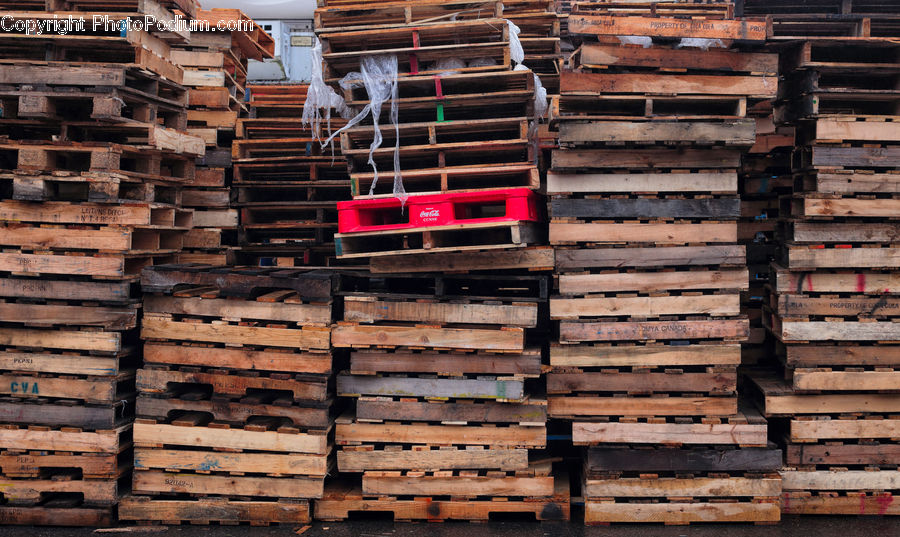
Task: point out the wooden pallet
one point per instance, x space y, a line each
850 503
342 499
459 483
284 388
527 364
726 329
241 281
58 513
367 458
746 429
778 397
813 429
261 334
456 411
499 389
168 482
686 460
222 511
33 492
681 513
354 432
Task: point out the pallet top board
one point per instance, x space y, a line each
254 43
385 38
667 84
603 25
708 10
310 283
344 17
732 62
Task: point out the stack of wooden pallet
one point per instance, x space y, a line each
446 424
540 28
286 188
463 121
765 173
644 221
215 64
833 298
827 18
234 414
93 154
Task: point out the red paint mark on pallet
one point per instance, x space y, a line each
860 283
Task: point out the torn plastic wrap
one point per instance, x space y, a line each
320 96
643 40
378 75
701 43
517 54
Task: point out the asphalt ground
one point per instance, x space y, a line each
791 526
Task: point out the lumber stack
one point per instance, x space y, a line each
93 157
215 66
644 220
234 408
832 300
463 120
286 187
447 423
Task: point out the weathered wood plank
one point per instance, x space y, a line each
707 208
686 58
236 412
206 461
854 157
369 310
558 182
842 454
526 364
853 355
513 436
603 25
670 433
877 504
645 356
842 331
172 435
585 159
661 233
108 317
372 483
524 258
61 339
298 338
233 358
651 257
565 382
803 305
507 339
732 132
570 406
841 480
65 290
801 258
305 388
104 441
680 513
703 487
654 330
355 385
369 408
825 429
105 266
433 460
155 481
667 84
843 282
715 305
239 309
222 510
603 459
818 232
647 282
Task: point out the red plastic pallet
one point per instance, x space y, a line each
383 214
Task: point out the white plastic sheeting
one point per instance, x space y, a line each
701 43
378 75
321 97
643 40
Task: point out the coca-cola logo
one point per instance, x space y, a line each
430 213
